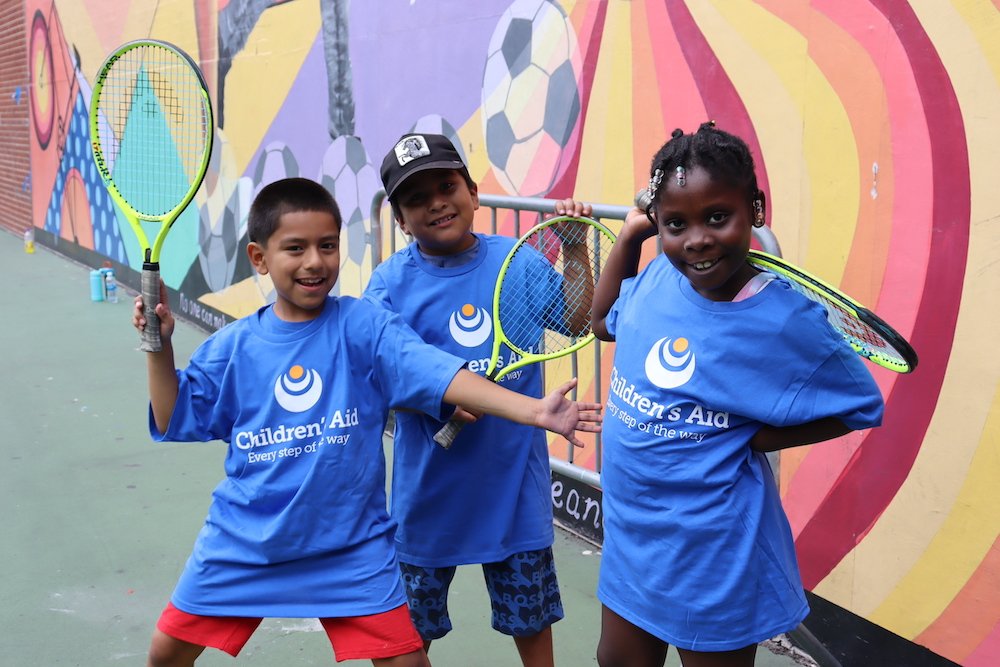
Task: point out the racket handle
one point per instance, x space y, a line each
446 436
642 199
150 297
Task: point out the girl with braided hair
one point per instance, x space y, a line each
715 364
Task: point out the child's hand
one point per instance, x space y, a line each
565 417
637 227
573 208
569 232
465 416
162 311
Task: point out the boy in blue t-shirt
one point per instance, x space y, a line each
487 499
300 392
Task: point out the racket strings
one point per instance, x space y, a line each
858 333
547 291
154 128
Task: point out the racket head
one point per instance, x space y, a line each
869 335
544 292
151 128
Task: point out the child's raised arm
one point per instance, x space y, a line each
578 281
160 365
622 263
554 412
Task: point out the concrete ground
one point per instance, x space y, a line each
96 521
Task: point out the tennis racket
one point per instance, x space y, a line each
863 330
151 130
869 335
543 296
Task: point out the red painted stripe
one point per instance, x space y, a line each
722 101
971 617
566 186
876 471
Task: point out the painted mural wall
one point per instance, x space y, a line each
875 123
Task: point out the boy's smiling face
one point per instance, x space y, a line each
302 257
437 208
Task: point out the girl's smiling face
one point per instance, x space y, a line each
704 228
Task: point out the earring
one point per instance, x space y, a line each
758 213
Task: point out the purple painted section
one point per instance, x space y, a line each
414 59
301 123
408 60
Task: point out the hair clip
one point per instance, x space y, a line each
654 183
681 176
758 213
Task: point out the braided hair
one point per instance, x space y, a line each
724 156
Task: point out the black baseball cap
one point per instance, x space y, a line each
417 152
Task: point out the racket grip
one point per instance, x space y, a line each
150 335
446 436
642 199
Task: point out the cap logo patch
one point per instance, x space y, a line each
410 148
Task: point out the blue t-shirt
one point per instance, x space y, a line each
298 527
697 548
487 497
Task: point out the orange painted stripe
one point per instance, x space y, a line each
986 654
972 616
672 91
851 73
647 131
906 136
588 19
816 472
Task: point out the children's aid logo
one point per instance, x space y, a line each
299 389
670 363
470 326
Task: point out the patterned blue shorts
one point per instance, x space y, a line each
523 592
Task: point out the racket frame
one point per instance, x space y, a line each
894 339
499 338
446 436
150 276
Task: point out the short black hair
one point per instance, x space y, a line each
724 156
288 195
464 172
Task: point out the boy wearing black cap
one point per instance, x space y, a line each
487 499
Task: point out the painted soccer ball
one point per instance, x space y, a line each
223 210
276 161
349 175
531 97
435 124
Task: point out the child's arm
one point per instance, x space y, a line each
773 438
623 262
160 365
577 278
554 412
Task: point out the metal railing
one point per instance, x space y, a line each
537 207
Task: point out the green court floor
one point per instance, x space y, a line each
96 521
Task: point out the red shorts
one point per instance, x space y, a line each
384 635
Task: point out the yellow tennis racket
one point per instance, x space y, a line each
543 296
151 130
863 330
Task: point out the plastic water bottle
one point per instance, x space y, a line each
29 240
110 287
